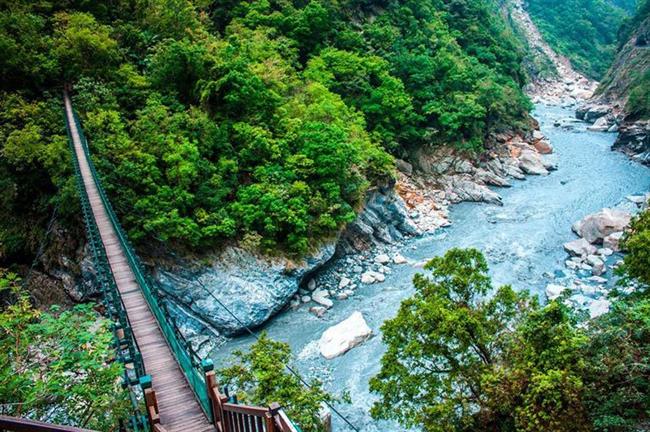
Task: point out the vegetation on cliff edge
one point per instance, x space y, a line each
213 121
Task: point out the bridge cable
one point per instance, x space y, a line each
289 368
41 246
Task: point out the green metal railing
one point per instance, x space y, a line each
111 298
188 360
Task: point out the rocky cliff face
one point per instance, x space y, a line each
610 109
255 287
64 273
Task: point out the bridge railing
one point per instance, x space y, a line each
225 415
233 417
24 425
125 343
188 360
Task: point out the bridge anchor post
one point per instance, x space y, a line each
150 401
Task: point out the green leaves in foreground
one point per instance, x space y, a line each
462 356
637 244
259 378
57 366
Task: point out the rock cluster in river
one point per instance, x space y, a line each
426 189
593 256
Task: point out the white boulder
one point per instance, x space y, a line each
600 125
321 297
553 291
368 277
579 247
595 227
399 259
382 259
371 277
339 339
344 282
613 241
599 307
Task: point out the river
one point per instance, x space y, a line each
522 241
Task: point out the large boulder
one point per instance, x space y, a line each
341 338
580 247
595 227
600 125
590 113
251 286
465 188
531 163
554 291
613 241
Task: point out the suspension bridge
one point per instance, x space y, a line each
180 390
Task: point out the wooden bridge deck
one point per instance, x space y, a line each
179 409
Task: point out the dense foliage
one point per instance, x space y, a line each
219 120
585 31
258 377
464 357
637 245
56 366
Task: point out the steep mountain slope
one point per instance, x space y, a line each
582 30
553 78
623 98
627 82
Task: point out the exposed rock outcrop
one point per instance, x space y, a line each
251 286
65 273
384 220
634 140
609 108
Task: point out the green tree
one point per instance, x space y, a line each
58 366
259 377
617 372
443 344
637 244
462 356
82 46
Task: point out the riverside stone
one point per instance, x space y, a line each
319 311
543 147
339 339
321 297
595 227
554 291
579 247
382 259
613 241
399 259
344 282
531 163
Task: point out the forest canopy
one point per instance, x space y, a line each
213 121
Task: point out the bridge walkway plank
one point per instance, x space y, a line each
179 409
